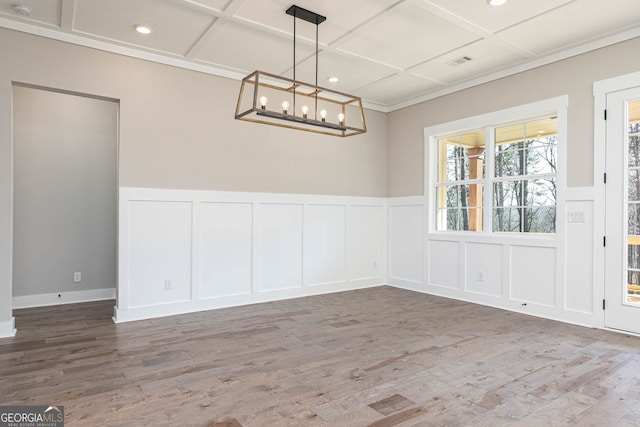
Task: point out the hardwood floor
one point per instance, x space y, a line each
378 357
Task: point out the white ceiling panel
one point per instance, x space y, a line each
575 23
175 27
341 16
43 11
492 18
352 71
404 36
397 88
485 57
247 49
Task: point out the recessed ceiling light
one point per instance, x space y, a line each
22 9
333 79
142 29
496 2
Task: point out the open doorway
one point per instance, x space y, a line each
65 150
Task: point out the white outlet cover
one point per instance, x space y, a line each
577 216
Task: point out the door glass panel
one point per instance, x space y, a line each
632 294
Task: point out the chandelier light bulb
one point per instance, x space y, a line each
305 110
496 2
341 119
263 102
323 114
285 107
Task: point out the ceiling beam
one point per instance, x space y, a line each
67 14
216 25
463 23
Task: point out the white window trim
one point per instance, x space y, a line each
526 112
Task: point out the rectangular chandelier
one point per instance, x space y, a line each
274 100
279 101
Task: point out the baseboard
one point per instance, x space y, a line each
8 328
42 300
172 309
550 313
411 285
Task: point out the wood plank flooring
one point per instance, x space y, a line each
373 357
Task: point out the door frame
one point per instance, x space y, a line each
116 188
600 91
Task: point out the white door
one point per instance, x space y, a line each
622 250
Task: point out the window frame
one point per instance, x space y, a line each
488 122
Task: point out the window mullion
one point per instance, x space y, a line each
489 175
532 177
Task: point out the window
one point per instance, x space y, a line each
460 182
498 178
524 183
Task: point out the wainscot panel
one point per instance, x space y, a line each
159 252
484 269
444 263
280 247
226 249
366 242
325 244
406 240
579 256
185 250
533 275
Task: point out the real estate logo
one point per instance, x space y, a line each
32 416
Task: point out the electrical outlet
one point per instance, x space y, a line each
480 276
168 285
77 277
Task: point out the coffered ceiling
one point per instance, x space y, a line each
392 53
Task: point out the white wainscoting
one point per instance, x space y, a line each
325 244
549 277
406 241
280 246
226 249
182 251
581 295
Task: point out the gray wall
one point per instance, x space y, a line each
65 189
573 77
